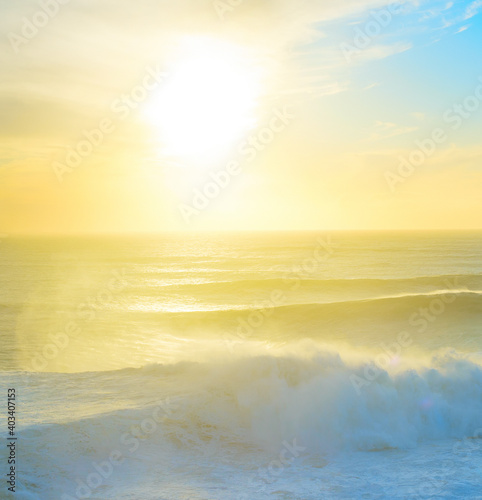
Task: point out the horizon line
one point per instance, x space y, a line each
5 234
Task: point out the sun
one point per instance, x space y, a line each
209 100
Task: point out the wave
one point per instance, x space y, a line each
315 396
447 302
240 412
472 280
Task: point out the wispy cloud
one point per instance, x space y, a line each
459 14
385 130
461 29
378 52
372 86
473 9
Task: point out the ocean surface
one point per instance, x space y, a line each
244 366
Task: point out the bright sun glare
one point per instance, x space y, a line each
208 101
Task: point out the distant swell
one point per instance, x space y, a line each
472 280
446 303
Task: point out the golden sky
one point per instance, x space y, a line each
239 114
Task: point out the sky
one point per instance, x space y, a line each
239 115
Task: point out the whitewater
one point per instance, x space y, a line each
245 365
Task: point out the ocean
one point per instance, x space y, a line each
304 365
